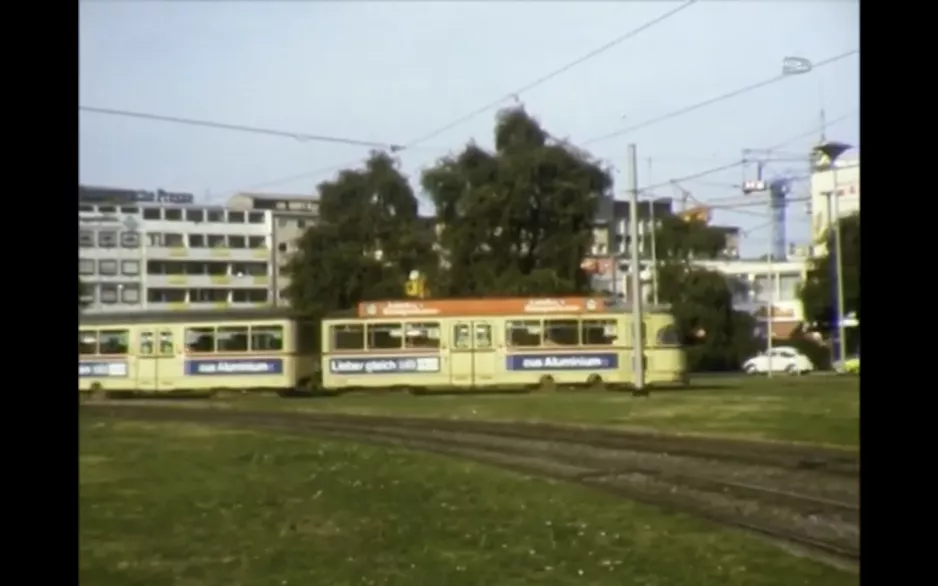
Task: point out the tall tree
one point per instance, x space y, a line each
717 336
817 294
367 240
516 220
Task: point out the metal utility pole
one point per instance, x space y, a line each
759 186
638 343
654 244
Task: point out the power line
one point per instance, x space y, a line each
495 103
545 78
742 162
299 136
720 98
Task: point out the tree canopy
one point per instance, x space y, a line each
818 292
516 220
717 336
367 240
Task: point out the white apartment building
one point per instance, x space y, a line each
167 256
844 179
759 282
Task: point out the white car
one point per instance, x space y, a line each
781 359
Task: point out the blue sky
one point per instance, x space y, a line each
394 71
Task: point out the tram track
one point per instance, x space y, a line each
763 489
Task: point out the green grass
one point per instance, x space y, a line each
184 505
815 409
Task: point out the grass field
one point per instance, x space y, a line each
171 504
817 409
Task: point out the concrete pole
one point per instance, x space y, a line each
638 344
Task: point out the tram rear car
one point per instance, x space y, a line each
195 352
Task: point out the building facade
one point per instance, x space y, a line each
291 216
612 242
844 179
757 282
143 251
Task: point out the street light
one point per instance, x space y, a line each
825 157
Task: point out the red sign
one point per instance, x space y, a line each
476 307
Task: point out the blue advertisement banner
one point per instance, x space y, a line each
562 361
384 365
109 369
237 367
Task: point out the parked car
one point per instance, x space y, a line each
850 366
782 359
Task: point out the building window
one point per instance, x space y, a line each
256 217
85 266
130 294
235 217
236 242
249 296
107 267
173 214
107 209
216 216
152 213
130 267
195 215
127 210
282 247
196 241
173 240
166 295
85 239
108 293
257 242
130 239
155 239
216 241
107 239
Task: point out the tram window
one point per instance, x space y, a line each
385 336
524 333
233 339
461 336
600 332
422 335
114 341
166 343
267 338
200 339
348 337
87 342
146 343
561 332
483 336
669 336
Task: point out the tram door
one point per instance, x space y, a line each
156 361
472 361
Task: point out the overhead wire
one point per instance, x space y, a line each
513 95
710 101
299 136
745 160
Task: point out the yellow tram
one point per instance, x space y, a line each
169 352
513 343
